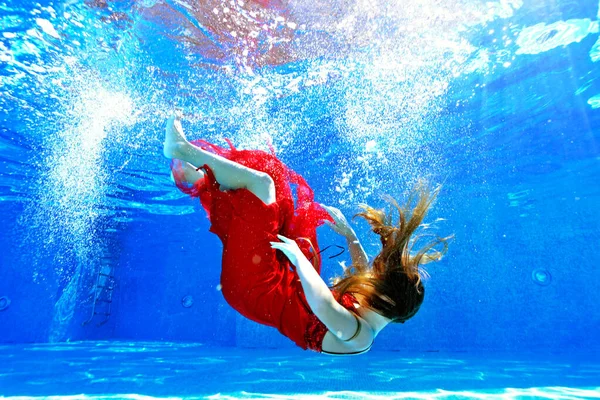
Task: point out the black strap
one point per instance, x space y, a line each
348 354
327 247
357 329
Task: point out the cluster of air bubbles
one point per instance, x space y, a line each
76 180
73 191
391 101
386 67
73 91
380 69
71 187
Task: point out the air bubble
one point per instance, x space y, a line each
4 303
187 301
541 276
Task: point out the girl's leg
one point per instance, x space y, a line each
229 174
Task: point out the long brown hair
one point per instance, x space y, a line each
392 286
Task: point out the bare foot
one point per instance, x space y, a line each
175 140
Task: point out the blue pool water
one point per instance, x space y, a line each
175 370
110 280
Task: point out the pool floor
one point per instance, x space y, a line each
141 370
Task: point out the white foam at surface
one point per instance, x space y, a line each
531 40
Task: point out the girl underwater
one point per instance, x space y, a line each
269 239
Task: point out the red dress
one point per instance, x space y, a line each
257 281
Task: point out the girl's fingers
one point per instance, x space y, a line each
284 239
280 246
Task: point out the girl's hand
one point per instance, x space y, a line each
341 225
290 248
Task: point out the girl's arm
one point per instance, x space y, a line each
342 227
336 318
357 252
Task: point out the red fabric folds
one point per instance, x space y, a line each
257 281
299 220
